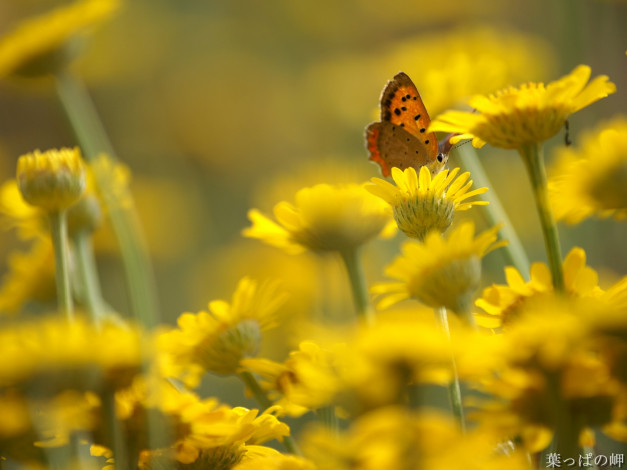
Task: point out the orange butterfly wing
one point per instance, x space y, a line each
401 138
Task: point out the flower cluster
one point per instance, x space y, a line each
426 371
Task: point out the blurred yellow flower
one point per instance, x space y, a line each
591 180
50 355
30 277
404 348
276 462
52 180
36 46
475 59
204 431
561 384
515 117
425 203
440 272
216 341
503 304
395 438
307 380
324 218
29 221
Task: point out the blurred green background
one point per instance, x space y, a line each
221 106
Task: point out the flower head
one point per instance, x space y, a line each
393 438
51 354
53 180
324 218
425 203
439 271
36 46
503 304
533 113
592 179
307 380
216 341
532 374
204 431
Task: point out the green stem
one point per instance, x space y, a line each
494 212
454 389
260 395
327 416
567 428
114 432
86 268
357 281
93 139
58 231
533 155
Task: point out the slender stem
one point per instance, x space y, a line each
58 231
260 395
533 155
327 416
115 432
494 212
358 284
86 268
567 426
93 139
454 389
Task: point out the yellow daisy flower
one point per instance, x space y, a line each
503 304
53 180
216 341
51 354
591 180
31 222
560 383
425 203
204 431
440 272
36 46
394 438
307 380
324 218
515 117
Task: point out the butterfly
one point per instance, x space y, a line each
401 139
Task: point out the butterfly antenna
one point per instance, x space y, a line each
567 140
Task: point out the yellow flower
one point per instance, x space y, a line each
480 59
515 117
591 180
53 180
404 348
50 354
503 304
204 431
276 462
393 438
427 203
307 380
36 46
440 272
29 221
216 341
30 277
324 218
550 374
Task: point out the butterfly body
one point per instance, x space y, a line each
401 138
